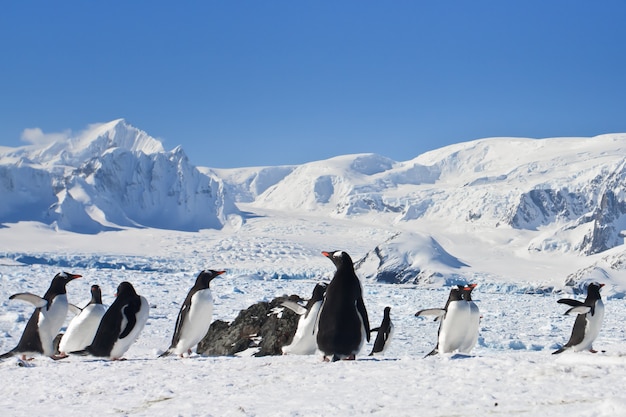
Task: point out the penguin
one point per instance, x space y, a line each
194 317
588 322
454 319
343 325
304 341
46 321
384 335
121 324
83 327
473 324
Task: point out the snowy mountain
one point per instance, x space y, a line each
112 175
450 215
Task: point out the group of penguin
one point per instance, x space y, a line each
334 321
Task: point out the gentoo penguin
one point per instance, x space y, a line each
121 324
385 333
454 319
46 321
83 327
588 322
471 334
194 317
343 325
304 341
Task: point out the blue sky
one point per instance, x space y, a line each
250 83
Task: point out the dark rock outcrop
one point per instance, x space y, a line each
263 326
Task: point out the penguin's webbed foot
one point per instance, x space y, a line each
59 356
592 350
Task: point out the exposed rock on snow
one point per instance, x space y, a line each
260 330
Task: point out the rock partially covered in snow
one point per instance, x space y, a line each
410 258
260 330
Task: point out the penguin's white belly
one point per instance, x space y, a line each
454 326
197 322
471 335
304 341
82 329
592 329
50 322
122 345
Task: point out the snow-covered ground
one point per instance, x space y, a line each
510 372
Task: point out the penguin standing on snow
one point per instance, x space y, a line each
454 319
121 324
588 322
304 341
343 325
385 333
471 335
83 327
194 317
46 321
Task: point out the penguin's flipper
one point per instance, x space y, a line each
7 355
437 312
360 306
35 300
74 309
578 310
375 329
556 352
570 302
182 315
166 353
295 307
130 312
433 352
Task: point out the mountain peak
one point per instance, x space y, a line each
100 137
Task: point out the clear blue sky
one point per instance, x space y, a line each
248 83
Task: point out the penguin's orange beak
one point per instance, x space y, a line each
74 276
326 254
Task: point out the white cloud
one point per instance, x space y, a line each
36 136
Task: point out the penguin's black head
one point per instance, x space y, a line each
319 291
456 294
467 291
206 276
60 280
126 290
96 295
387 311
593 290
339 258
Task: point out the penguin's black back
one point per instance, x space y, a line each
126 304
340 326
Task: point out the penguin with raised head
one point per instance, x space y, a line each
46 321
453 322
384 334
473 325
194 317
304 340
588 322
83 327
343 325
121 324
